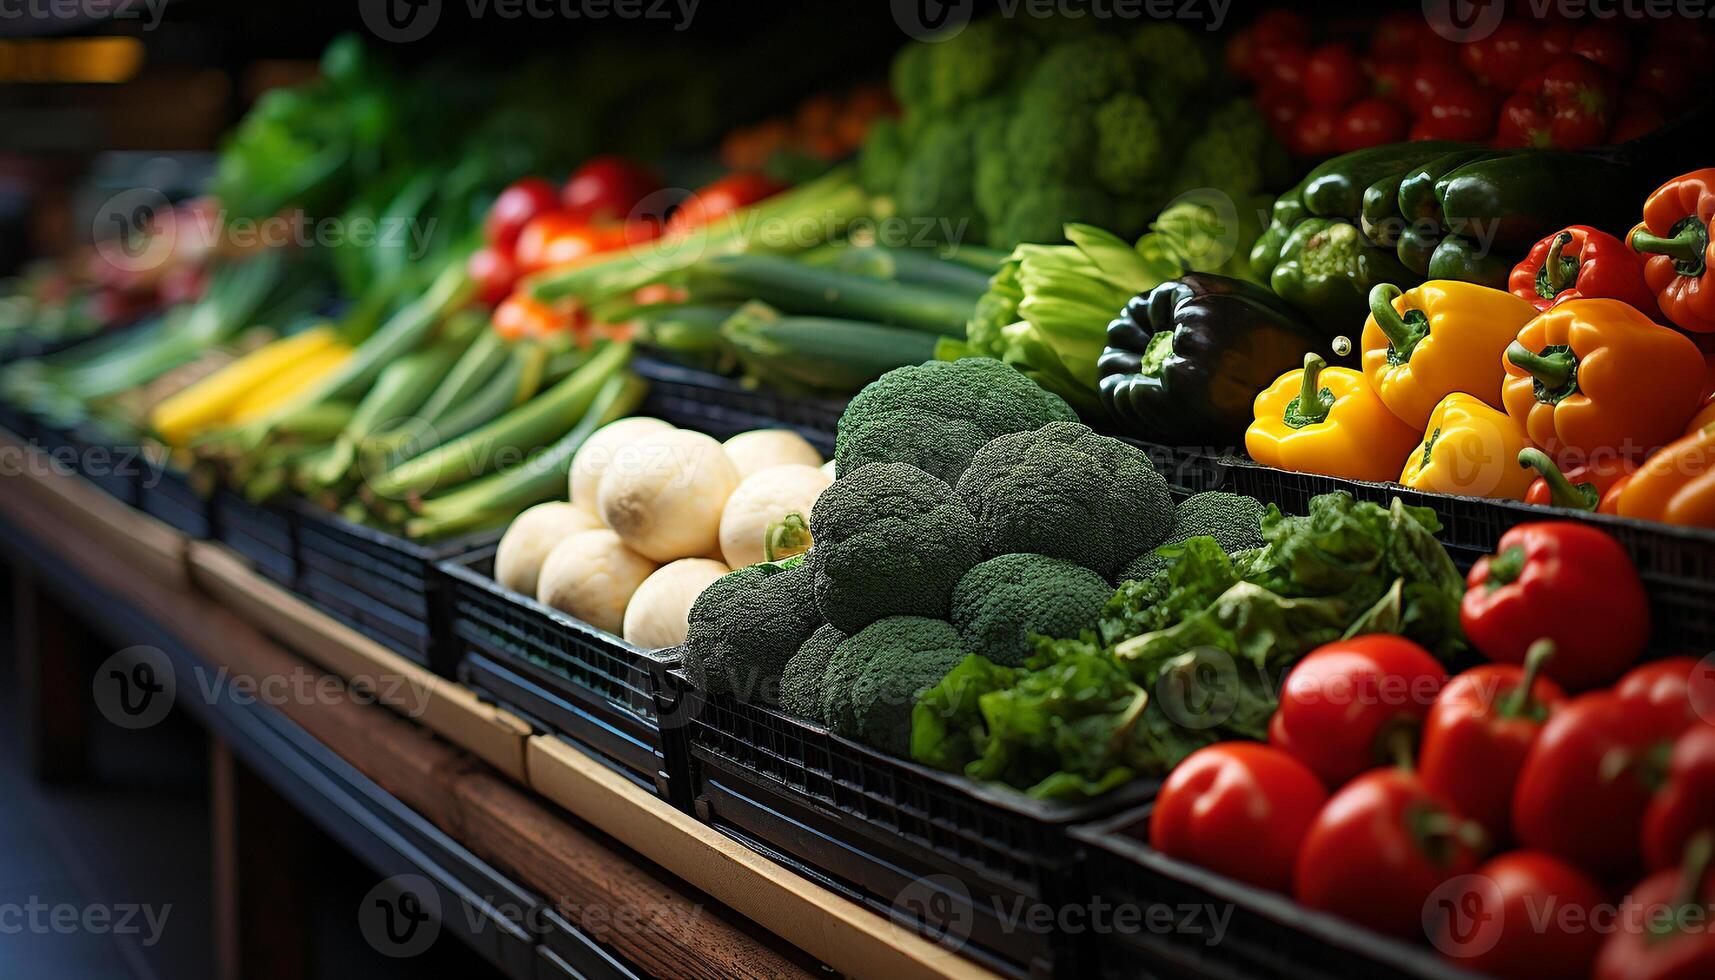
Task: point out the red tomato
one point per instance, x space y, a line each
1524 915
1460 111
1396 35
1668 935
1390 78
1280 26
1553 42
1332 77
516 207
1685 804
1525 121
1281 66
721 198
1504 58
1477 736
1633 123
1370 122
1313 133
1282 112
606 189
1346 706
1428 78
1681 686
557 239
1587 780
1604 45
1379 849
1669 75
1239 809
494 274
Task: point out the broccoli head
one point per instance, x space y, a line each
891 540
745 626
1174 63
936 416
875 675
972 63
1066 492
1130 153
1001 602
1234 522
1234 153
882 159
801 681
1040 214
1084 69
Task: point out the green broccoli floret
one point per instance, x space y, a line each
1234 522
1130 154
1175 66
745 626
882 159
979 59
909 75
891 540
936 178
1066 492
1084 70
801 681
1235 153
936 416
1001 602
1040 214
1051 145
875 676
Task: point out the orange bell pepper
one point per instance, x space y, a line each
1704 418
1679 251
1593 377
1677 484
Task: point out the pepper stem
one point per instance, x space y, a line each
1310 407
1506 566
1519 701
1699 852
1402 335
1561 491
1685 246
1552 370
1552 268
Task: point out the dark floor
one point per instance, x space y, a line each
134 838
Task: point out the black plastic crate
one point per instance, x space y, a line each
168 495
1195 923
1677 564
381 585
114 465
563 675
983 870
266 535
723 407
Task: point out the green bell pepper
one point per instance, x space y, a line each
1326 270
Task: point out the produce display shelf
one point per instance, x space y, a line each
1677 564
1214 926
381 585
979 870
167 494
723 407
564 676
265 535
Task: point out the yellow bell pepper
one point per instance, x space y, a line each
1444 336
1345 431
1469 449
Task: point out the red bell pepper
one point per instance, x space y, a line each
1589 778
1355 704
1560 581
1380 848
1685 804
1239 809
1669 936
1581 262
1594 486
1675 239
1681 686
1478 733
1525 916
